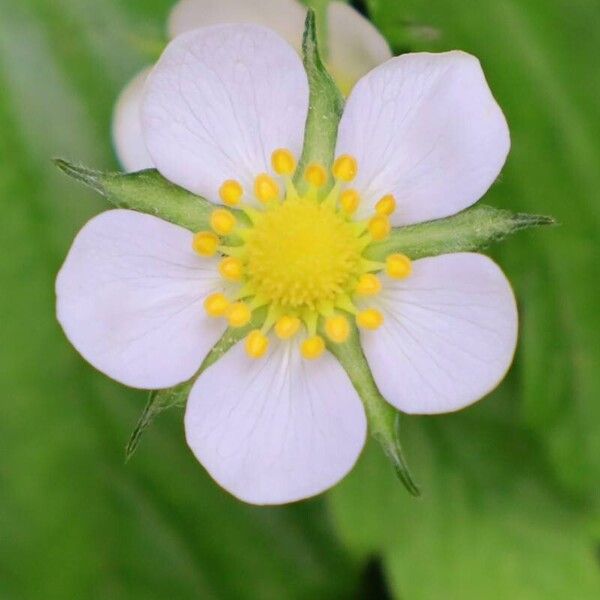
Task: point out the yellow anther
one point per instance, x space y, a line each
345 168
256 344
205 243
398 266
368 285
370 318
316 175
287 327
283 162
238 314
312 347
231 268
337 328
266 188
231 192
379 227
222 221
349 201
216 305
386 206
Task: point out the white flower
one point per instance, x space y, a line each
276 418
354 48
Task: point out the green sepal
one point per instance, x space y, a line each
145 191
383 419
472 229
325 106
161 400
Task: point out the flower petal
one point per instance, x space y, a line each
286 17
448 337
129 298
277 429
220 100
355 45
127 126
426 128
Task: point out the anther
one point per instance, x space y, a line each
257 344
337 328
312 347
349 201
231 192
369 318
345 168
379 227
238 314
231 268
205 243
316 175
368 285
216 305
222 221
287 327
398 266
266 188
386 206
283 162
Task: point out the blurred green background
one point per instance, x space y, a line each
511 498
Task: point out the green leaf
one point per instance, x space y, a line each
473 229
383 419
145 191
488 524
161 400
325 105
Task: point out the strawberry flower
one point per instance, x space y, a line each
276 418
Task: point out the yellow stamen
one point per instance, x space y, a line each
222 221
386 206
398 266
216 305
368 285
231 268
257 344
205 243
379 227
312 347
345 168
238 314
316 175
283 162
337 328
349 201
231 192
370 318
266 188
287 327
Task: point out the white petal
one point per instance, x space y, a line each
448 337
355 45
426 128
129 298
219 102
127 126
286 17
277 429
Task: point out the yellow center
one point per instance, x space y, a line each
302 254
299 256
